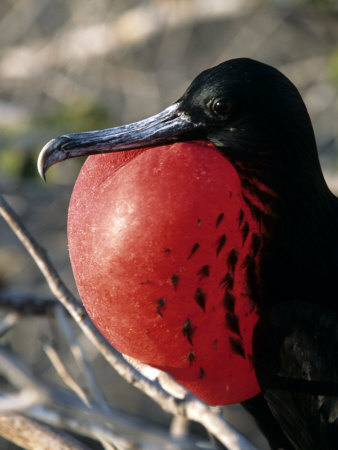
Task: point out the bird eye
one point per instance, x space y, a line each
221 106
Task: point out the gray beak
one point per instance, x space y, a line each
170 125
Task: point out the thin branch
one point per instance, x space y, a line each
166 381
141 433
8 322
54 406
19 374
51 405
26 304
33 435
39 394
80 358
216 425
179 427
18 401
41 259
64 374
106 445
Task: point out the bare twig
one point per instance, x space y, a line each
25 303
34 393
179 426
64 374
81 359
33 435
141 433
107 445
8 322
216 425
47 403
19 401
19 375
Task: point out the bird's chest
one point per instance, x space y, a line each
168 265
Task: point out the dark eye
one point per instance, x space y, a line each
221 106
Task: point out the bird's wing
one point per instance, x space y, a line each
295 351
267 423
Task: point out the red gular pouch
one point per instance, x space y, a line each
159 242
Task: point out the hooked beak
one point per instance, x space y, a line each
170 125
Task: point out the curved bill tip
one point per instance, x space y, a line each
50 154
41 161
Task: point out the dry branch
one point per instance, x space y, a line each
33 435
26 304
64 374
81 359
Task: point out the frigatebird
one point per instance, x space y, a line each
258 310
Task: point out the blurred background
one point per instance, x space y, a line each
68 66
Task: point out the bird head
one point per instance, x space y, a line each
249 110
